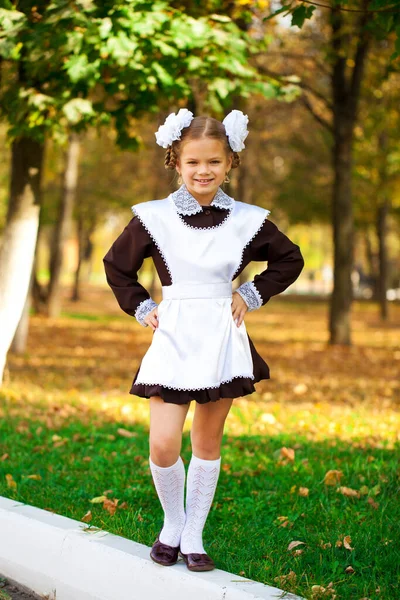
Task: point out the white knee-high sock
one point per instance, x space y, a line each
170 486
202 481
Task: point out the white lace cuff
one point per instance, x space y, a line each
250 295
143 309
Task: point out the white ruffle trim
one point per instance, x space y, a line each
248 242
133 208
250 295
246 375
143 309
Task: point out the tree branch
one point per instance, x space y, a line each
390 8
316 116
301 84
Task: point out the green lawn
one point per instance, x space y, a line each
65 411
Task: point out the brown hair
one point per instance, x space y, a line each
200 127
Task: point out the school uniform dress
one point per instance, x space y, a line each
197 351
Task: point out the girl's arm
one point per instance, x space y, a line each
122 263
285 263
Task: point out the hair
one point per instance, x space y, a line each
200 127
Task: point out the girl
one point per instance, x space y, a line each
200 239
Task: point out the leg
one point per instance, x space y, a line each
208 428
166 465
166 425
203 472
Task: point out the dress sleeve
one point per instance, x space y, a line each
122 263
285 263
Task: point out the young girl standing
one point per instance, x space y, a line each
200 240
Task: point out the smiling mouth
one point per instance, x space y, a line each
203 180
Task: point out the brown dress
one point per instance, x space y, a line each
126 255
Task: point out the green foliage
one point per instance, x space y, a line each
71 65
383 16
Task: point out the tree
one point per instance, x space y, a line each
66 66
352 30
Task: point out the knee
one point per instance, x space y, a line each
165 450
206 445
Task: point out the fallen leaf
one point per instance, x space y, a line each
88 517
348 492
347 542
98 499
287 453
36 477
349 569
5 456
333 477
126 433
110 505
10 482
372 502
294 544
303 491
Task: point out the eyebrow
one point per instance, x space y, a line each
212 158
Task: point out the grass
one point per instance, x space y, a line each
70 432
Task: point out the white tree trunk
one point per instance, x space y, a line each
16 259
17 251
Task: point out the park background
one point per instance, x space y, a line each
307 495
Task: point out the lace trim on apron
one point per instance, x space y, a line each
186 389
248 242
133 208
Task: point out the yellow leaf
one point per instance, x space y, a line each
303 491
36 477
98 499
10 481
333 477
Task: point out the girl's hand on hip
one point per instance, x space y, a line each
239 308
152 318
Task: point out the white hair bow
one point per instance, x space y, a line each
236 129
173 125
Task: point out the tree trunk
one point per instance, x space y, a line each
381 225
62 225
345 100
19 238
343 243
21 335
382 283
76 293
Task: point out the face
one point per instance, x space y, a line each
203 165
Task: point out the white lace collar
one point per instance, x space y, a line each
186 204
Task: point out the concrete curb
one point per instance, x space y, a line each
54 557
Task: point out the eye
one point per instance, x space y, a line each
216 161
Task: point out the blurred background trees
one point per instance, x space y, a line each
84 87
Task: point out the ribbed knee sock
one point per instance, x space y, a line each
170 485
202 481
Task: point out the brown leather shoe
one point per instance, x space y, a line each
198 562
163 554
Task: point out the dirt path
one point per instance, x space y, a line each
9 590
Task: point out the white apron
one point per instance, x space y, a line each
197 344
